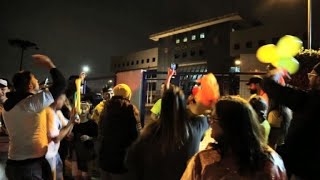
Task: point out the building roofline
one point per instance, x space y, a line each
194 26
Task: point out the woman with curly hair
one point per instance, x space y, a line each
240 152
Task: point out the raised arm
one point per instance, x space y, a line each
59 83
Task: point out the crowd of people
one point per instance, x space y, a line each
268 136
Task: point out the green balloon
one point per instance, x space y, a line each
288 63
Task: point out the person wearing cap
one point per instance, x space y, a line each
4 89
27 125
120 126
4 83
107 94
301 149
254 85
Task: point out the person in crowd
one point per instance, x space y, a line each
279 118
156 108
107 94
4 89
26 126
165 145
254 86
4 144
260 107
300 145
120 126
83 136
240 152
58 122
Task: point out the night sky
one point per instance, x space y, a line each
89 32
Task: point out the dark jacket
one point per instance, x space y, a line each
301 146
118 131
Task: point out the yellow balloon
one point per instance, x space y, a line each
267 53
288 63
289 46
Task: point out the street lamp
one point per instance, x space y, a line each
237 62
309 23
85 69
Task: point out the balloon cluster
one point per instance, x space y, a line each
282 54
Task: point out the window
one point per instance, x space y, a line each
132 63
137 62
261 42
202 36
185 39
236 46
201 52
177 41
142 61
184 54
249 44
153 59
176 56
153 86
128 63
123 64
192 53
193 37
148 60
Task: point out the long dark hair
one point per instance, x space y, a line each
241 134
172 129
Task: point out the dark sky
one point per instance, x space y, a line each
78 32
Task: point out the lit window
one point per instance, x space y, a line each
202 36
177 41
185 39
193 37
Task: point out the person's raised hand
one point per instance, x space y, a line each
43 60
279 75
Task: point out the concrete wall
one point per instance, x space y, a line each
261 35
134 80
146 59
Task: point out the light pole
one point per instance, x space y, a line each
309 23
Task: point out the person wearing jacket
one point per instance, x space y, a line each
120 126
301 151
26 125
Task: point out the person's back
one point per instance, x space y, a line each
166 145
146 160
119 128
